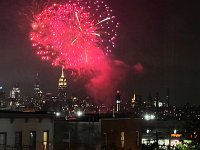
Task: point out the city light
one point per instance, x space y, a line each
148 131
57 114
149 117
79 113
175 131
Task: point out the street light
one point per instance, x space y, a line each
57 114
79 113
149 117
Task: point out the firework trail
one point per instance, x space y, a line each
77 34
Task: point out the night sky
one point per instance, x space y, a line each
158 42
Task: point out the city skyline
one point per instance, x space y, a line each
157 48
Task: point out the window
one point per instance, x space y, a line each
3 140
32 140
18 140
122 139
46 140
137 138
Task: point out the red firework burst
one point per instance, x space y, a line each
72 35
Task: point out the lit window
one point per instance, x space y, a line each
122 139
45 140
32 140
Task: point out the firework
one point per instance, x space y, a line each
75 35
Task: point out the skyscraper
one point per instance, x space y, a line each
62 88
37 93
36 87
156 100
15 92
118 101
168 97
2 96
133 100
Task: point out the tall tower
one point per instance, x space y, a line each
2 96
37 93
168 97
15 92
133 100
62 87
118 101
36 86
156 100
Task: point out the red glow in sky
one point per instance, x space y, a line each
104 85
138 68
74 35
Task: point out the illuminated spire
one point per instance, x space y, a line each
62 88
62 83
118 101
62 75
133 100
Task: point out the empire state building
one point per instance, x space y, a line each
62 87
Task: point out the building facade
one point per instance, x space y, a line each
19 131
121 133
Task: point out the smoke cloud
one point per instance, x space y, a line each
106 81
138 68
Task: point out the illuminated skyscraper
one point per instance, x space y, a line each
37 93
36 88
15 92
62 87
118 101
133 100
2 96
36 85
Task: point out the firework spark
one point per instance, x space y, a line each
76 35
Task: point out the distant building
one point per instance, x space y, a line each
36 88
160 104
149 103
121 133
62 88
118 101
50 102
15 93
168 97
133 101
156 100
2 97
19 130
163 134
